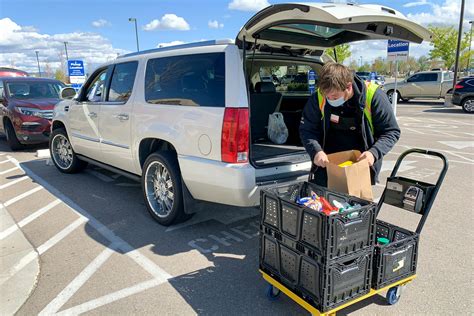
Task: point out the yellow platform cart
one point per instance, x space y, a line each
275 288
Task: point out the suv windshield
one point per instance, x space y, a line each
34 89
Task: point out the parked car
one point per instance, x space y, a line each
463 94
184 121
363 75
11 72
380 80
425 84
26 109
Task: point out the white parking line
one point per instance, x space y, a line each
32 255
8 170
413 130
4 161
61 235
78 281
28 219
112 297
157 272
22 196
6 185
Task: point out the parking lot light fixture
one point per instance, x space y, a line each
37 60
136 31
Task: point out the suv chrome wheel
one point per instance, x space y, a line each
159 189
468 105
62 151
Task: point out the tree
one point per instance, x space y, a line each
60 75
380 66
444 44
364 67
423 63
342 52
353 65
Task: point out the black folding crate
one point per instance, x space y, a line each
330 236
323 284
397 259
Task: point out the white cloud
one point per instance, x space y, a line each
173 43
416 4
248 5
168 21
101 23
446 13
18 45
369 50
215 24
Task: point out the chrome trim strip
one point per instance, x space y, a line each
95 140
114 144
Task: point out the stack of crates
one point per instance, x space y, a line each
326 260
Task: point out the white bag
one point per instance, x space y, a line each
277 130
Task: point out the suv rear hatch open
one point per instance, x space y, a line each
307 29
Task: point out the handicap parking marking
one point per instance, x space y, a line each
159 276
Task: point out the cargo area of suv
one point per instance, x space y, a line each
285 96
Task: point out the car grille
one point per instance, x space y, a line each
48 114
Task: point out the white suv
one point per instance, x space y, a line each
190 121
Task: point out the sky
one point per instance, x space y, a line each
96 31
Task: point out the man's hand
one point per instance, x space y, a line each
369 156
321 159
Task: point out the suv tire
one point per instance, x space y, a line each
162 190
62 154
468 105
12 140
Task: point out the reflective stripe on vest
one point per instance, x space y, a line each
369 95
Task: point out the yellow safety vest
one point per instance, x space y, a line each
369 95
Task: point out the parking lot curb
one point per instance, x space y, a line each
17 278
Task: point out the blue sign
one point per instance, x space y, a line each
397 50
311 81
76 86
75 68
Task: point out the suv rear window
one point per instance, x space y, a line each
189 80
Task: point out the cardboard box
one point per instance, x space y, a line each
353 180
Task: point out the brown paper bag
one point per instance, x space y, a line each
353 180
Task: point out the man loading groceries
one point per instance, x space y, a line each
347 113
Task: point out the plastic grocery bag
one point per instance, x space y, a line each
277 130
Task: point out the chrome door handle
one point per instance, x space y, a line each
122 116
92 114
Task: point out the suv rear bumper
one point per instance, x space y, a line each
219 182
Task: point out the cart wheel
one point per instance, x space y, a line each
393 296
273 293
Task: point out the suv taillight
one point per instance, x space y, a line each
235 135
458 86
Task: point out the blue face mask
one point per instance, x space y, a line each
337 103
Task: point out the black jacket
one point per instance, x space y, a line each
386 130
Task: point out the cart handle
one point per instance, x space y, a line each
433 195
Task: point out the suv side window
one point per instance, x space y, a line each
121 84
189 80
96 88
431 77
414 78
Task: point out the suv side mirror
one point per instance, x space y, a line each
67 93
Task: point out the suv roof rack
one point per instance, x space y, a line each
188 45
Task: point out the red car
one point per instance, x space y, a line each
26 109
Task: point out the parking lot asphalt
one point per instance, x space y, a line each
101 253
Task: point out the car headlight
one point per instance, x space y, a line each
29 111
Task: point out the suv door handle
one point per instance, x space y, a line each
92 114
122 116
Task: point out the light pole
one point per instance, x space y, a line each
37 60
65 48
136 31
458 48
469 54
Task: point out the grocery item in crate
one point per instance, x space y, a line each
382 241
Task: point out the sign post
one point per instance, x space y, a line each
77 75
397 50
311 81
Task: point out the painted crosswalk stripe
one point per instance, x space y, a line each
6 185
9 170
7 232
22 196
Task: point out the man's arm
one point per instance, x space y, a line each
386 130
310 127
